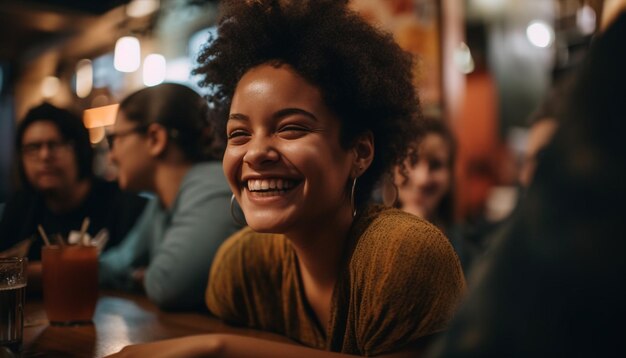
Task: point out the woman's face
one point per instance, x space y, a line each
49 161
130 153
428 177
283 161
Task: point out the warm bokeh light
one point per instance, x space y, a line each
540 34
100 116
154 69
127 54
50 86
84 78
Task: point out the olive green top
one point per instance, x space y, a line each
401 281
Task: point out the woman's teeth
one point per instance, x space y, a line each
264 185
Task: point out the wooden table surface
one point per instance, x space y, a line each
120 319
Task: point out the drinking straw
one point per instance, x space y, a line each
43 235
59 240
83 230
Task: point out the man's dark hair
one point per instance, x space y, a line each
72 130
365 78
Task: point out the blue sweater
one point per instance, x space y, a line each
177 245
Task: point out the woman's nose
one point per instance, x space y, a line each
420 173
260 151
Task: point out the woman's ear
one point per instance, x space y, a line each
157 139
363 149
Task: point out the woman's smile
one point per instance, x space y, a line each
270 188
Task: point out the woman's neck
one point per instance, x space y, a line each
62 201
167 181
320 246
320 249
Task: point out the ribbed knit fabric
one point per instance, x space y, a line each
402 282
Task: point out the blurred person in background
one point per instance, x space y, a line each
425 184
316 119
539 135
552 286
544 122
58 188
162 142
425 181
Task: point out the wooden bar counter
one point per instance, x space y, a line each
120 319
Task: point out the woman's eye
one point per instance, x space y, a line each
292 127
237 135
292 131
435 164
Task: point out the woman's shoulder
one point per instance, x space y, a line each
402 243
390 227
403 266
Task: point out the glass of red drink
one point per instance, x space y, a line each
70 283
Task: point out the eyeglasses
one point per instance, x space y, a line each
111 136
31 150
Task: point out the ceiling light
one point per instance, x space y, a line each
154 68
127 54
540 34
586 19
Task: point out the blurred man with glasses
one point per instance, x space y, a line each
58 189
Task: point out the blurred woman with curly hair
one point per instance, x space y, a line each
321 106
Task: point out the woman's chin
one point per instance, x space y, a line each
267 224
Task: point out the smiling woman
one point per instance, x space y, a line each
316 118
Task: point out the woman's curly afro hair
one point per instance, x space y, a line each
363 75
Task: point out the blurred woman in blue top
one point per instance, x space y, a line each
162 143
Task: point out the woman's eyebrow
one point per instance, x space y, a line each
279 114
289 111
238 117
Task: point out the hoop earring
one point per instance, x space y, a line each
232 212
352 197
